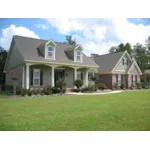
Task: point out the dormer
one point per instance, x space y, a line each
50 47
78 54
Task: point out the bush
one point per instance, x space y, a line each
64 90
30 93
18 91
9 88
122 86
78 83
101 86
116 86
60 83
138 86
55 90
143 85
132 87
23 92
75 90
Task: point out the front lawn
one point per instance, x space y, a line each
123 111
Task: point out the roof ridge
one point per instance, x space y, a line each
110 54
41 39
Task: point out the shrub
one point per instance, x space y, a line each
64 90
78 83
18 91
23 92
75 90
143 85
101 86
55 90
122 86
132 87
30 92
138 86
116 86
60 83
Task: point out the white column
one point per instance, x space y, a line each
75 74
86 78
27 76
52 76
23 76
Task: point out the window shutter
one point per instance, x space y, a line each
41 77
116 78
132 79
31 77
135 78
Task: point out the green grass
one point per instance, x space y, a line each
123 111
5 94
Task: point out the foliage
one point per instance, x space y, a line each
144 85
70 40
23 92
116 86
100 86
122 86
138 86
89 89
30 92
94 55
121 47
3 56
140 55
55 90
60 83
75 90
78 83
18 90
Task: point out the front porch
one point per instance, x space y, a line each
42 75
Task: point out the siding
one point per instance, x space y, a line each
120 66
15 57
14 72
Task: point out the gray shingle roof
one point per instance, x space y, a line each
108 61
29 50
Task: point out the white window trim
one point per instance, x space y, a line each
35 70
75 56
46 52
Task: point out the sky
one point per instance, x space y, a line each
96 35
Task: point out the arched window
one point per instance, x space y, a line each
50 50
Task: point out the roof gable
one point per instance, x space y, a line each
108 61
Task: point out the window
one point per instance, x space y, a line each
78 75
78 55
118 79
36 77
50 51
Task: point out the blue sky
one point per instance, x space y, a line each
96 35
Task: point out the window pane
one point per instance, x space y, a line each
36 74
78 52
36 81
78 57
50 54
50 48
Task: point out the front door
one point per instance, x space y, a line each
59 74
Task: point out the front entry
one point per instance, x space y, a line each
59 74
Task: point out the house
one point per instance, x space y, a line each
36 63
116 69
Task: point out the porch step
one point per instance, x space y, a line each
68 90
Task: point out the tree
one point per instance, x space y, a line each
94 55
70 41
113 49
140 55
3 56
121 47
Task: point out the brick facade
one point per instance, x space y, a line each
106 79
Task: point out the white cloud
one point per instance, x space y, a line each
98 35
7 34
42 26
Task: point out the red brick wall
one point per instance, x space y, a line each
106 79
